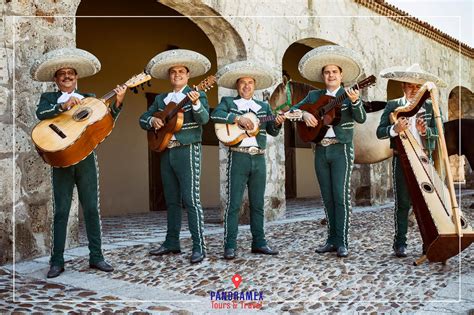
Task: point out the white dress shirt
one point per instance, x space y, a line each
330 133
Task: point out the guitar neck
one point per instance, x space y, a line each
110 94
338 100
267 118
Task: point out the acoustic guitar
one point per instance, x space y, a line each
71 136
172 116
327 110
230 134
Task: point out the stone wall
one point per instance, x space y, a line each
26 199
25 183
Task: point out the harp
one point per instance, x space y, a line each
444 231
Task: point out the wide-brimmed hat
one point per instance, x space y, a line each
196 63
228 75
313 62
412 74
85 63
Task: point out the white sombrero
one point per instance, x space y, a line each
85 63
412 74
196 63
228 75
313 62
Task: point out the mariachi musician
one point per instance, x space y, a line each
334 154
181 161
65 66
422 126
246 159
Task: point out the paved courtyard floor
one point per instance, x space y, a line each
298 280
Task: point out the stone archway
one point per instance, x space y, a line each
213 37
226 41
461 105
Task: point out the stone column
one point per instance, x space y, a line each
26 199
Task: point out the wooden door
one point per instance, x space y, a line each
156 194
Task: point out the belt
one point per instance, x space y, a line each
248 150
328 141
174 144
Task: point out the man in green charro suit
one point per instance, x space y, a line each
181 161
246 160
334 154
64 66
422 126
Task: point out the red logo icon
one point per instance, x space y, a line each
236 279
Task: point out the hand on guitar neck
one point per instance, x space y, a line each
120 91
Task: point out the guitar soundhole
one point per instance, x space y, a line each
427 187
424 159
82 114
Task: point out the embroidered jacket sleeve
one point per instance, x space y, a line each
222 113
145 118
383 130
358 111
115 110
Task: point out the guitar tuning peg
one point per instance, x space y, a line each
148 83
141 85
135 90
